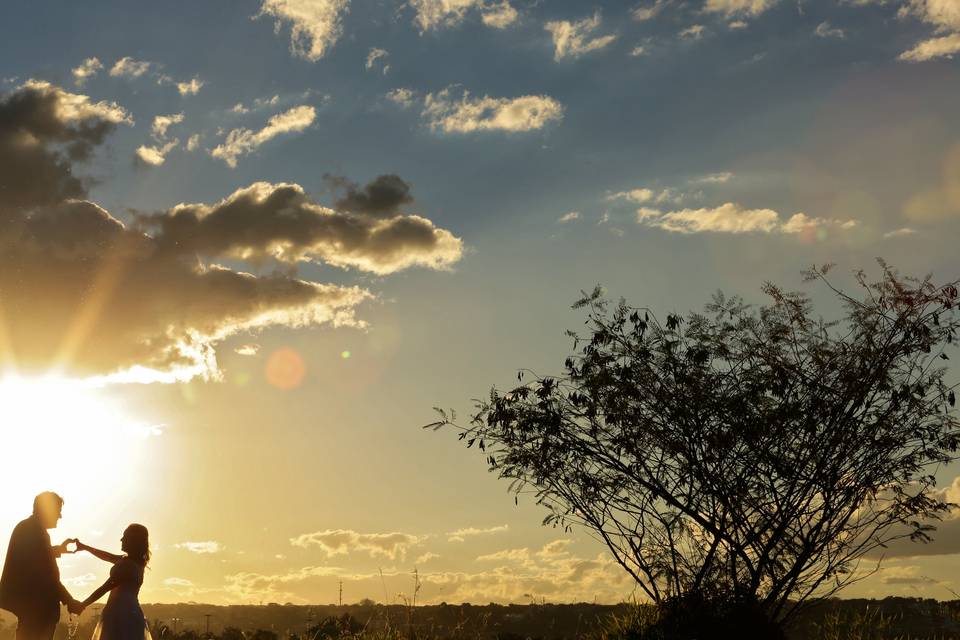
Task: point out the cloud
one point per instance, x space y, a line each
208 546
572 39
940 201
127 67
280 222
434 14
243 141
643 195
721 177
426 557
155 155
555 550
825 30
738 7
87 69
193 142
315 25
190 88
637 51
177 582
468 532
96 298
377 54
943 14
334 542
569 217
162 123
898 233
84 580
648 11
43 130
247 349
732 218
693 32
403 97
500 15
382 197
519 557
942 47
468 115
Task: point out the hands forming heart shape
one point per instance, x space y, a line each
70 545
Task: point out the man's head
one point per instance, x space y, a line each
46 508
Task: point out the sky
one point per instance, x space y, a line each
246 246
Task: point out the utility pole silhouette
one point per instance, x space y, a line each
207 615
341 594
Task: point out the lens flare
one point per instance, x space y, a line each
285 369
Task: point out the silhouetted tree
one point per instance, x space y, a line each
263 634
232 633
746 455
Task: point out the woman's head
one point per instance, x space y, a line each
136 543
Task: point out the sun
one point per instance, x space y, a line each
65 436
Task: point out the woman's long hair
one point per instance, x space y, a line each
137 543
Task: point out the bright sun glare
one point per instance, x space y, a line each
66 437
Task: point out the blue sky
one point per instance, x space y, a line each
663 157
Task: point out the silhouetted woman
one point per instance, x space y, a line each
122 618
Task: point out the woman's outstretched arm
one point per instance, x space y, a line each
106 556
102 589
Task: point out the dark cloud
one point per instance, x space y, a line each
381 197
84 294
280 221
43 130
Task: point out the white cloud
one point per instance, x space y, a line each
427 557
720 177
942 47
155 155
403 97
376 54
738 7
648 11
247 349
519 557
737 24
825 30
177 582
129 68
897 233
637 51
500 15
434 14
693 32
315 25
162 123
633 195
89 68
733 218
193 142
468 532
572 39
569 217
74 107
468 114
334 542
944 14
207 546
84 580
191 88
242 141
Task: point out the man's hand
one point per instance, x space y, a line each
64 547
75 606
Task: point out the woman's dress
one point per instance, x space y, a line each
122 618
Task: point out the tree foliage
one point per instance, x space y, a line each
753 453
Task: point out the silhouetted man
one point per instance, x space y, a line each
30 585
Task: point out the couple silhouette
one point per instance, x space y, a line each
30 586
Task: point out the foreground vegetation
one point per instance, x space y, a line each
888 619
